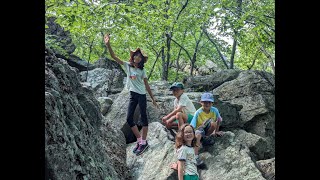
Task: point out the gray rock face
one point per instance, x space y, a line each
154 163
209 82
256 144
208 68
117 75
254 91
60 36
105 104
77 146
267 167
82 144
229 158
229 113
60 40
77 62
103 81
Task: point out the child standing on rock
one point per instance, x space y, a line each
138 85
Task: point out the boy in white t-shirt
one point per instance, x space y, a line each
183 108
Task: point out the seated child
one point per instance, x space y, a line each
206 121
183 108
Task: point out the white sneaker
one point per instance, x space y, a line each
199 161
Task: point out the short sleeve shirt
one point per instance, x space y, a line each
200 116
135 78
187 154
186 103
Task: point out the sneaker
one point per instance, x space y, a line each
142 148
135 148
199 161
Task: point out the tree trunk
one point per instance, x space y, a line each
219 52
90 50
234 47
168 59
194 58
254 61
271 60
177 65
163 63
158 55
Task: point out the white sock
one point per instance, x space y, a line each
139 140
143 142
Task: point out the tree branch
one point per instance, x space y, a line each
254 61
151 71
183 7
168 36
220 54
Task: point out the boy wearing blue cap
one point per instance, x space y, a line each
206 121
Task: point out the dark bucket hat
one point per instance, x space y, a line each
176 85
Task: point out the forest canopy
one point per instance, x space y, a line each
179 36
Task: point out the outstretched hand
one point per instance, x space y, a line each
107 38
155 103
219 133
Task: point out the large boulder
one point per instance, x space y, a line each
210 82
104 81
75 61
231 157
267 167
254 91
77 143
154 162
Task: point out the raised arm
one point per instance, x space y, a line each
107 42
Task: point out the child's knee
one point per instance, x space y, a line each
213 125
199 133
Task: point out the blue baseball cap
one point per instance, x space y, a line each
176 85
207 97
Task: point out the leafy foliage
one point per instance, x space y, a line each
52 43
174 25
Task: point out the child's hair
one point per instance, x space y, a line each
141 63
180 136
